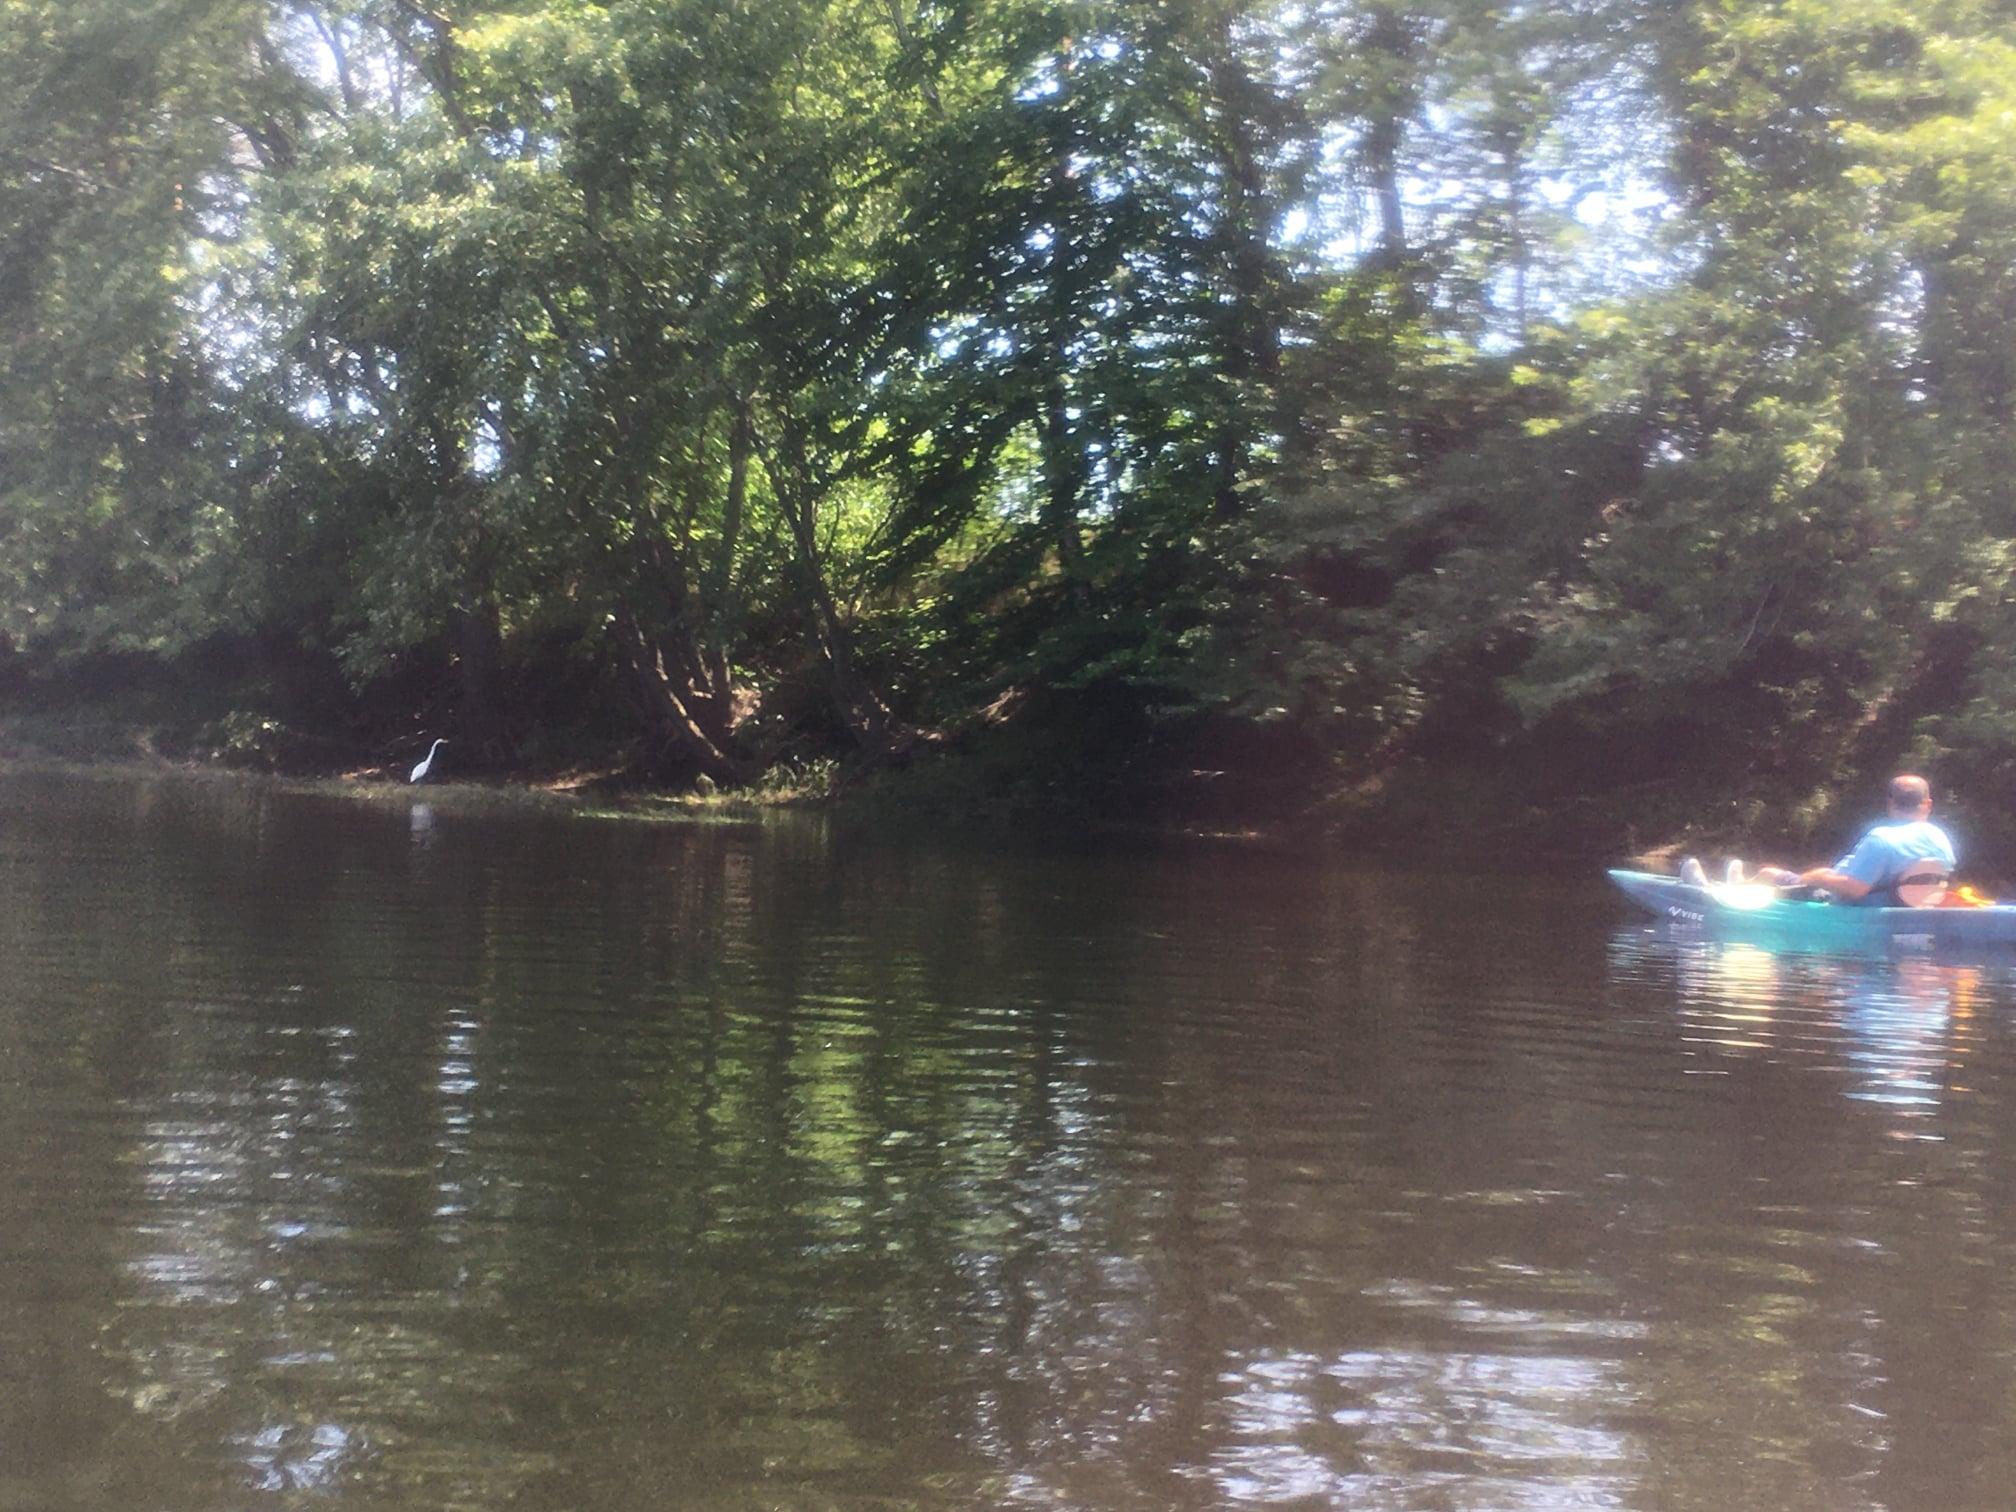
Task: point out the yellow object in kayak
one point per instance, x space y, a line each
1964 896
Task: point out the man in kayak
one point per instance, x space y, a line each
1870 872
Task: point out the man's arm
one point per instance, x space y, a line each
1848 889
1855 875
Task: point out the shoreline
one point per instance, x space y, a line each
1475 815
891 798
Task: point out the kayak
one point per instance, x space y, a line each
1756 910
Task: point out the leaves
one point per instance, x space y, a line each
1403 371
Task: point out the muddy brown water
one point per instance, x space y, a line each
402 1155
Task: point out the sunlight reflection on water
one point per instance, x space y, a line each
1900 1028
533 1162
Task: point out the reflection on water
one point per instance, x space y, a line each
1880 1227
354 1159
1902 1027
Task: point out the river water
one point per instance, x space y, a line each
372 1154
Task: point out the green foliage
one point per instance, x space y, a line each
117 498
1398 376
1754 493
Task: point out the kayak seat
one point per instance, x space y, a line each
1922 884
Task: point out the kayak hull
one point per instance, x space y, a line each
1742 911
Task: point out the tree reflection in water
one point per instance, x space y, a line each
553 1165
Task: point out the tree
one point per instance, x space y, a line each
127 143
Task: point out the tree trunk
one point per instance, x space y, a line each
685 718
866 717
1522 244
479 653
1063 450
717 580
1391 42
1250 352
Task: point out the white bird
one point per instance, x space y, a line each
420 772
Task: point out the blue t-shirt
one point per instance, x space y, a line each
1880 856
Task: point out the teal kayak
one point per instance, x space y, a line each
1756 911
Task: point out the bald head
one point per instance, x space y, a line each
1910 796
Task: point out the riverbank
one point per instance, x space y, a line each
582 793
1504 812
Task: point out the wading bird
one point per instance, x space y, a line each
421 772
